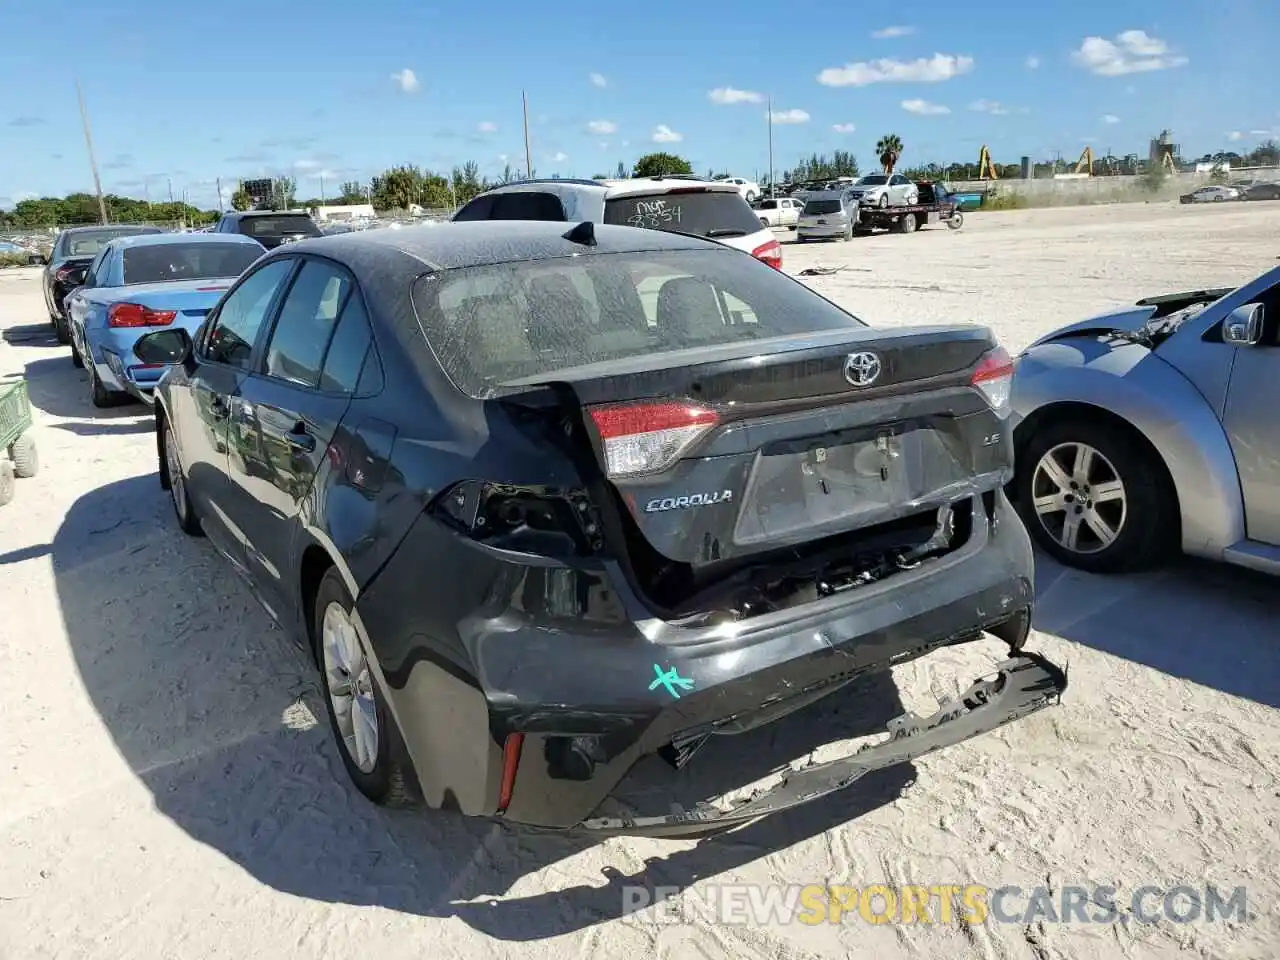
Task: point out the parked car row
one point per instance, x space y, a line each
1217 193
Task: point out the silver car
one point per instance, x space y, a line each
1153 430
828 216
885 190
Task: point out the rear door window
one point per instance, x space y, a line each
308 317
526 205
699 213
477 209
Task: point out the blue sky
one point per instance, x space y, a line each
191 92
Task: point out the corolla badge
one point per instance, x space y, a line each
663 504
862 369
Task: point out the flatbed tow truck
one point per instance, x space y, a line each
934 206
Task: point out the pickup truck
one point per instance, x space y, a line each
778 212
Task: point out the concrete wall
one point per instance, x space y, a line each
1049 192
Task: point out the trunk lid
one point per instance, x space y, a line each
719 453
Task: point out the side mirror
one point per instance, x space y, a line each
1243 326
164 346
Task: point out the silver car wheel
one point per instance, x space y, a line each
350 687
173 467
1079 498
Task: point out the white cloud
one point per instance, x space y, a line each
502 158
1234 135
602 126
941 66
924 108
789 116
307 166
1130 52
1032 62
406 80
599 80
730 95
1110 118
1259 133
989 106
487 126
843 127
558 157
888 33
664 134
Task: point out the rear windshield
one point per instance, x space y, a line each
279 226
702 213
188 261
91 242
822 206
489 325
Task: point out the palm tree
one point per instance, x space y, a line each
889 149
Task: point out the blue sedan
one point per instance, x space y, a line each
139 283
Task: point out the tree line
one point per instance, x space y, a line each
407 185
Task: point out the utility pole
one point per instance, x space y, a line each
771 146
171 189
528 156
322 189
220 207
93 162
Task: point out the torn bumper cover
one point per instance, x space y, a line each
1021 686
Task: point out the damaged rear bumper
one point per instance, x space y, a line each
1021 686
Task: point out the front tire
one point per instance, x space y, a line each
7 485
1094 499
362 726
884 201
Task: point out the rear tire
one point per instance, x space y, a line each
906 223
1139 512
764 223
354 700
61 330
101 397
26 459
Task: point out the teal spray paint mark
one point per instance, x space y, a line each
670 680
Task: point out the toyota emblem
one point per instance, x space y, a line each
862 369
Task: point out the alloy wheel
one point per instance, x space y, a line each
1079 498
173 467
349 683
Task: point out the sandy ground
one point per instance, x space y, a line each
167 792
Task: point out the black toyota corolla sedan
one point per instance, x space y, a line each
543 502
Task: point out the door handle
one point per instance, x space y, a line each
218 407
299 439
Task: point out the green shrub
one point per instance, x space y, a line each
1004 201
13 259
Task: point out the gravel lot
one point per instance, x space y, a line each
167 791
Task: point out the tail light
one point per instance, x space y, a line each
63 274
770 253
136 315
994 377
642 438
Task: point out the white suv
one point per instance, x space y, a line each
714 210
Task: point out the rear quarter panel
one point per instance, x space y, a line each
1134 384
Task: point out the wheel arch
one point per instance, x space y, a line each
1205 487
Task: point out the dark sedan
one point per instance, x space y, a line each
542 503
73 252
1261 191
